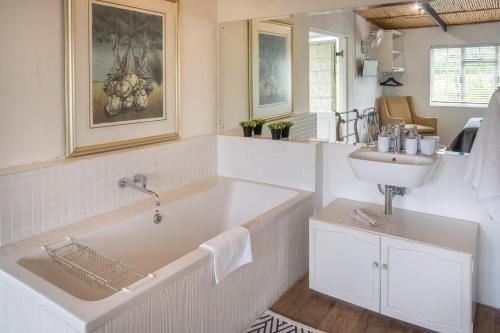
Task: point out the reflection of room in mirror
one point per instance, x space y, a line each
339 60
325 53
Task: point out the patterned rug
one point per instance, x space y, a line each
270 322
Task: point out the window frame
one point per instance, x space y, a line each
462 47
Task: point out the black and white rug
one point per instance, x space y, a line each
270 322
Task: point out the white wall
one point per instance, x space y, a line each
446 195
198 58
274 162
232 10
32 71
417 44
32 84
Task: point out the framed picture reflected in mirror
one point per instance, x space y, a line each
271 89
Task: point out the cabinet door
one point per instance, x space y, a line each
426 285
344 263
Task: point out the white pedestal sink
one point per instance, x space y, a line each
393 169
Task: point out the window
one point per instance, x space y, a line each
464 75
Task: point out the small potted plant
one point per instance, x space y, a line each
276 129
257 130
285 132
248 127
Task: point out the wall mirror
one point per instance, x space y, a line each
342 74
313 79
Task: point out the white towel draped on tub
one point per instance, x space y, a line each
483 169
230 250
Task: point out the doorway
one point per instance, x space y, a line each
327 79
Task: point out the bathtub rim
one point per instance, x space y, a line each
85 316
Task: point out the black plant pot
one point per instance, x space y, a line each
285 133
276 134
257 130
247 131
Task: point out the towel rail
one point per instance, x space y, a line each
341 121
368 116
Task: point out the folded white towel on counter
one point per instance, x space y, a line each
230 250
483 168
367 216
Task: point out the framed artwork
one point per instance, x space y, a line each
270 70
121 74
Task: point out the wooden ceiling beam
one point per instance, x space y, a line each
434 16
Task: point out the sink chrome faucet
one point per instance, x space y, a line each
142 180
396 137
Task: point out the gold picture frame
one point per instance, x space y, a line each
81 138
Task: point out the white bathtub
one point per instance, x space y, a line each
182 295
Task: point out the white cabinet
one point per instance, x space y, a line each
345 264
426 285
417 268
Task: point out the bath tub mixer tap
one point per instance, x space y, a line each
140 184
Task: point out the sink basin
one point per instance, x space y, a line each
402 170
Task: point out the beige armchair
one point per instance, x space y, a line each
398 109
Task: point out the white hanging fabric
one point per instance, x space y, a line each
483 168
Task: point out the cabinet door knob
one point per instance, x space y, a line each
384 266
375 264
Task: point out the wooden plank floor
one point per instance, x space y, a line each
306 306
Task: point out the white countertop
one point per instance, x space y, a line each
452 234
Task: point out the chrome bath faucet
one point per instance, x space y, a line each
140 184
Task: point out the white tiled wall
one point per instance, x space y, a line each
275 162
43 199
49 197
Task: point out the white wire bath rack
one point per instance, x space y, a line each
93 267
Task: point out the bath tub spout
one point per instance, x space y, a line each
124 182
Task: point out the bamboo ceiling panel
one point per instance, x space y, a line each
452 12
